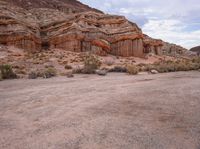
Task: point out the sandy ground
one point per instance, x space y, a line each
117 111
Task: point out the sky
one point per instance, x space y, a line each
175 21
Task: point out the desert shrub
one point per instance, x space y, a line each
118 69
196 60
68 67
33 75
1 76
7 72
91 63
50 72
132 69
147 67
172 66
165 67
77 70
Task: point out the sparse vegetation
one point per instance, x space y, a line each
77 70
50 72
33 75
68 66
1 76
172 66
118 69
7 72
91 63
46 73
132 69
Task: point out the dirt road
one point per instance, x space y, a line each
117 111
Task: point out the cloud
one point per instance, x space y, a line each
172 30
176 21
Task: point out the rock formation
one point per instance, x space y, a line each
196 50
72 26
172 49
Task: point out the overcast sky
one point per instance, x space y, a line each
176 21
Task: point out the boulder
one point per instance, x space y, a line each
101 72
153 71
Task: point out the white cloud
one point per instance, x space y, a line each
172 31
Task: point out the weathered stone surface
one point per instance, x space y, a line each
72 26
154 71
196 50
101 72
152 45
19 28
173 50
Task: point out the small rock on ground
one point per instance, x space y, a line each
101 72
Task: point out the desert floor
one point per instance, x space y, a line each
117 111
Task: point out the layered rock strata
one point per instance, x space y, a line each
72 26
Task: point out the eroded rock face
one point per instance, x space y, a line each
99 33
153 45
173 49
19 28
72 26
196 50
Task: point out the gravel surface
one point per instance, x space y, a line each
117 111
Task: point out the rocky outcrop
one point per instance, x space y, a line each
98 33
153 45
173 49
72 26
196 50
19 28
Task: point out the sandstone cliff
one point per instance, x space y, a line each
72 26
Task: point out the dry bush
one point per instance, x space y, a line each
68 66
173 66
33 75
7 72
1 78
46 73
91 63
132 69
77 70
50 72
118 69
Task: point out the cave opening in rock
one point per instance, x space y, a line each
45 45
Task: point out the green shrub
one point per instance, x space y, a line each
7 72
91 63
132 69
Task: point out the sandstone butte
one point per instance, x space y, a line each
70 25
